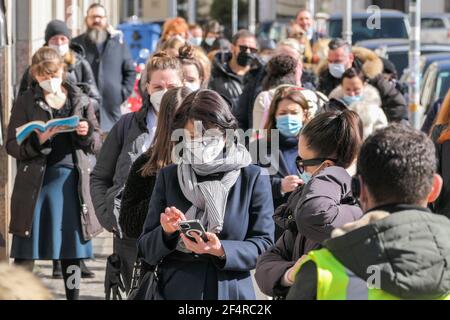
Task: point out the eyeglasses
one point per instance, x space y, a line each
245 48
301 164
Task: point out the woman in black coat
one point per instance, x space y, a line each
214 183
57 220
328 146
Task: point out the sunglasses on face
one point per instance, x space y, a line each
302 164
245 48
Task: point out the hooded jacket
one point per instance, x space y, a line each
410 246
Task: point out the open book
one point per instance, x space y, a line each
67 124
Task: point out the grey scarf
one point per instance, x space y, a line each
209 198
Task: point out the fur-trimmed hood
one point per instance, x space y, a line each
365 59
408 246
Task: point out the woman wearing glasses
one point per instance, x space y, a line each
328 146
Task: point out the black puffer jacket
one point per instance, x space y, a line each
224 81
410 247
322 205
79 72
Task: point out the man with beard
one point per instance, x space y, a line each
111 63
230 68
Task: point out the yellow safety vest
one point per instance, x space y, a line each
336 282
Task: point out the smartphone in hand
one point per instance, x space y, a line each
193 226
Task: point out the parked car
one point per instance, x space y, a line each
427 59
399 55
394 24
435 84
435 28
374 44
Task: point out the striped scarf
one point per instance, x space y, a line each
209 198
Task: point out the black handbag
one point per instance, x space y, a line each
144 285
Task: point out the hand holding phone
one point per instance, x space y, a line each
193 226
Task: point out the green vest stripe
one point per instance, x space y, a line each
335 282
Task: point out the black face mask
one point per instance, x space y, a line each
245 59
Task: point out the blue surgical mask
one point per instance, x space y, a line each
289 125
306 177
349 100
336 69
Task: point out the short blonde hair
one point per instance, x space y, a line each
18 284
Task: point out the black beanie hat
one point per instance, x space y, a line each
56 27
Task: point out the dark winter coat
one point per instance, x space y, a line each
324 204
136 199
114 72
79 72
127 140
247 232
409 245
32 158
224 81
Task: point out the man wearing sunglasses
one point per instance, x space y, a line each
229 69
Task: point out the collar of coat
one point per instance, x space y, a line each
371 64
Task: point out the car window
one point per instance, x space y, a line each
390 28
428 86
442 84
432 23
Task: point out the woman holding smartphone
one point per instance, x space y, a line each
214 183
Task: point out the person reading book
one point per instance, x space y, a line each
52 216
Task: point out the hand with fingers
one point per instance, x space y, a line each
83 129
212 247
169 220
290 183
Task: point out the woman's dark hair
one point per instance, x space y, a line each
293 94
352 73
280 70
161 151
208 107
337 135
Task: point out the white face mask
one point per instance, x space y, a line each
193 86
156 98
62 49
204 150
196 41
210 41
56 101
336 69
51 86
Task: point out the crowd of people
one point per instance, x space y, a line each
328 181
